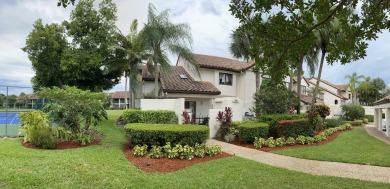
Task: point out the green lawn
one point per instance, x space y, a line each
104 166
354 146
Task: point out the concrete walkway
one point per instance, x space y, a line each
355 171
371 130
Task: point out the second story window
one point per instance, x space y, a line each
303 89
225 79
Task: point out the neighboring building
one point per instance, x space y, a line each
118 100
221 82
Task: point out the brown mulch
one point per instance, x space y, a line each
63 145
165 164
267 149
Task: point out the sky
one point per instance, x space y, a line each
210 21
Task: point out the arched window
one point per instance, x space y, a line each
336 102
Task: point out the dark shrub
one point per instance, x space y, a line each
160 134
369 117
247 131
273 120
333 122
353 111
293 128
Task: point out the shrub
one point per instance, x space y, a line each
225 120
293 128
270 142
333 122
36 129
199 151
247 131
353 111
186 117
323 110
213 150
140 150
369 117
279 142
159 134
187 152
357 122
301 139
156 152
149 116
317 138
63 134
230 137
273 120
259 142
309 140
365 120
290 141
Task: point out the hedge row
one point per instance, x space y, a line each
273 120
294 128
247 131
149 116
369 117
160 134
357 122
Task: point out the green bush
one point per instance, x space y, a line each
42 137
156 152
369 117
353 111
270 142
333 122
213 150
149 116
291 141
357 122
247 131
259 142
293 128
160 134
365 120
140 150
273 120
301 139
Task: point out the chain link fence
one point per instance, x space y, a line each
13 101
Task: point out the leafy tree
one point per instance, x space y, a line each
353 111
65 3
286 28
354 80
89 63
22 99
162 36
2 100
74 108
371 90
12 99
273 98
45 46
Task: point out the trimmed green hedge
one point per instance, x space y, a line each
273 120
247 131
355 122
294 128
369 117
333 122
149 116
160 134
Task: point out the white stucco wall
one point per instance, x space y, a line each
235 103
326 86
148 87
202 105
213 123
226 90
369 110
250 90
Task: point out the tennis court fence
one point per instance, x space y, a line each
13 101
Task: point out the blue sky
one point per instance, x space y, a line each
210 21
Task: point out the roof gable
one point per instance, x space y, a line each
220 63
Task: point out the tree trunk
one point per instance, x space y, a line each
155 80
291 77
125 90
299 84
318 80
257 73
130 93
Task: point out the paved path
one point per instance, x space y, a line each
363 172
371 130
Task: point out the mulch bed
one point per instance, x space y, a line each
63 145
165 164
267 149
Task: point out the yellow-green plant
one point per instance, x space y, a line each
32 120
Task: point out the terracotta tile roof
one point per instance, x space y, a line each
119 94
220 63
173 83
306 99
337 95
338 87
295 79
382 101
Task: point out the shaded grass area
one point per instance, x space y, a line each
355 146
104 166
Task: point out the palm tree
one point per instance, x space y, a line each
239 48
354 80
162 36
132 49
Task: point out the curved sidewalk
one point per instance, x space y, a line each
371 130
355 171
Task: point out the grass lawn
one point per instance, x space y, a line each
354 146
104 166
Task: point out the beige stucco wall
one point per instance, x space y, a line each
148 87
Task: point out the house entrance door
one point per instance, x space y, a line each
191 105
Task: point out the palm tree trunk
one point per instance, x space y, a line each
155 79
125 90
130 93
299 84
318 80
291 77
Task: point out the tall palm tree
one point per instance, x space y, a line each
162 36
354 80
132 49
239 48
